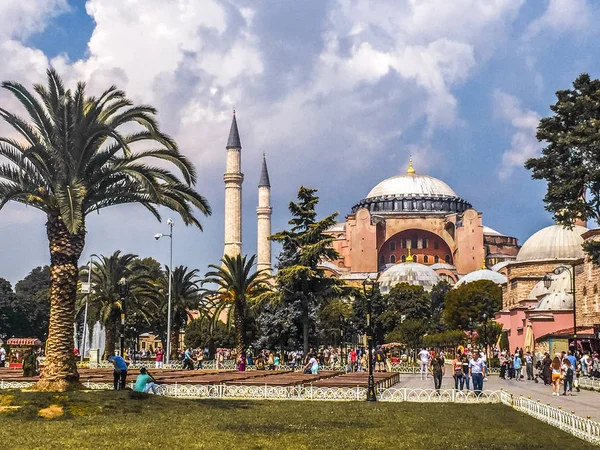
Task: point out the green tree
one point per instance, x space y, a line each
300 278
411 333
438 295
406 301
73 157
236 287
470 301
570 161
206 334
10 311
379 320
504 343
488 334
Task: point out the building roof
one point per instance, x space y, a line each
409 272
34 342
410 184
438 266
500 265
490 232
558 296
264 174
553 242
234 136
483 274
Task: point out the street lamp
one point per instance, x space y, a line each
371 395
87 301
170 222
123 291
485 336
548 279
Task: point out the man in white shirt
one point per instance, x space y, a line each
424 357
2 356
477 370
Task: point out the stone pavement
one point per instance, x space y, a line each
584 403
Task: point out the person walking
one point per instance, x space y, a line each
547 369
188 360
241 362
457 372
567 374
529 366
2 355
517 364
556 374
465 364
477 370
437 371
424 358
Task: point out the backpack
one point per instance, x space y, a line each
569 373
379 357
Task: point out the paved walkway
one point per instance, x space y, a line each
584 403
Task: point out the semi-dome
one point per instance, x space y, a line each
558 296
412 192
483 274
553 242
409 272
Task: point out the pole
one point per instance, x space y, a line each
85 314
169 305
574 309
371 396
123 299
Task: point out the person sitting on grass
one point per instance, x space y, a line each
145 382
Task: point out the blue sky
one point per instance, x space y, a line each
337 93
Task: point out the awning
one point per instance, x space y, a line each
29 342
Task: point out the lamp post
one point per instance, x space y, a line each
87 301
485 336
471 328
170 222
123 291
371 395
548 282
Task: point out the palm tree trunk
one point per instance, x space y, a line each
240 331
110 333
305 327
60 371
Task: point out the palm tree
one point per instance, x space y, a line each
74 157
236 287
184 298
105 302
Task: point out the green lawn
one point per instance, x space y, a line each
113 420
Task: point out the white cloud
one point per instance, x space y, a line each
524 122
561 16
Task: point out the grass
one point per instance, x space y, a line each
107 420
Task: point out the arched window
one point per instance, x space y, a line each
393 245
403 258
424 242
436 259
447 259
403 243
436 245
425 259
415 258
393 259
413 243
381 260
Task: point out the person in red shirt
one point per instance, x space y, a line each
353 360
159 357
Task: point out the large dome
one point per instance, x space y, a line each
412 193
483 274
553 242
409 272
412 184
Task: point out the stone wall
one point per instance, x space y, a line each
587 281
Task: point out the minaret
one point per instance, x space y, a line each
233 193
264 211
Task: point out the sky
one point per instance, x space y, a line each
337 93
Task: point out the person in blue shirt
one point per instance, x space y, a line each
145 382
119 372
517 364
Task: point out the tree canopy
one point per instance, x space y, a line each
470 301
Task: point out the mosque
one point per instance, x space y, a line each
414 228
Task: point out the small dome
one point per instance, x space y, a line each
438 266
553 242
502 264
557 296
483 274
411 273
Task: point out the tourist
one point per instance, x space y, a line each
511 366
595 372
241 362
379 359
437 371
458 373
144 382
547 369
199 358
312 366
353 358
517 364
424 358
585 364
219 359
2 355
119 372
477 370
465 363
556 375
276 362
567 373
29 363
159 356
529 366
188 360
503 365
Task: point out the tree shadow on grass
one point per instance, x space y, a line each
226 404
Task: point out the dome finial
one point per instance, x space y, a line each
484 265
409 258
410 166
